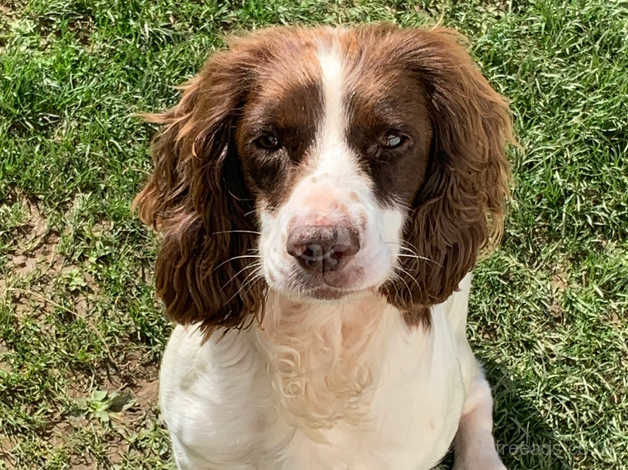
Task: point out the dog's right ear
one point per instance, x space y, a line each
459 211
197 199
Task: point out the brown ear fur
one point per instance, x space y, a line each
459 210
197 199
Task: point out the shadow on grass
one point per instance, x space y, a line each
523 438
524 441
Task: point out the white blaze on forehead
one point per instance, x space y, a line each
332 155
332 77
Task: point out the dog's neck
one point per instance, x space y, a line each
320 356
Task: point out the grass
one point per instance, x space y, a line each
80 330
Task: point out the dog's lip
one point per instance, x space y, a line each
326 292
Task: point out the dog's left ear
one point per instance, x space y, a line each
459 209
197 199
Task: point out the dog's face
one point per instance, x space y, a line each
323 163
333 151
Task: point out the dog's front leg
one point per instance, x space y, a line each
474 444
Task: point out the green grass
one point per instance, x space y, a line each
80 330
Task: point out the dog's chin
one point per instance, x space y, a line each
329 293
325 293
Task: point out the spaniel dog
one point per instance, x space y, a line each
322 195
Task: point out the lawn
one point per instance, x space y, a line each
81 332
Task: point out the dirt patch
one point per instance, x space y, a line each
83 462
7 16
82 28
132 385
34 229
559 283
38 273
116 452
34 253
5 11
5 450
4 366
147 392
143 388
79 23
39 280
35 242
23 265
132 397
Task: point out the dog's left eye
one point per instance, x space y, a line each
268 141
393 140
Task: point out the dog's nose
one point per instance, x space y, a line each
323 248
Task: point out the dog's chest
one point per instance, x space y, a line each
222 407
412 418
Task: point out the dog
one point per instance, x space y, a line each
322 195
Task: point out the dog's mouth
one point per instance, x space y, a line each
327 285
358 277
320 290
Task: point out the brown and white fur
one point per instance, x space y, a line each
323 194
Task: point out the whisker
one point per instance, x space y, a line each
259 315
410 245
400 245
248 266
238 198
405 283
403 204
394 286
422 258
410 276
409 253
238 231
251 278
235 258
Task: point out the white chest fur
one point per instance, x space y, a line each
347 396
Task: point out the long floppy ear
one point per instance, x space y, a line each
196 198
459 210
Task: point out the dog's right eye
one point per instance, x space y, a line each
393 140
268 141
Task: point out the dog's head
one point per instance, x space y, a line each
323 163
